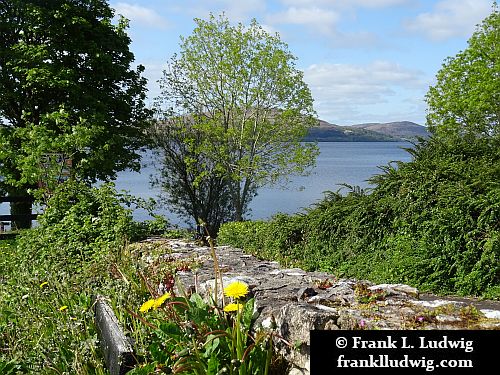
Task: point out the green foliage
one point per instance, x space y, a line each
193 188
66 87
192 336
432 223
46 317
80 221
247 234
236 97
465 100
50 274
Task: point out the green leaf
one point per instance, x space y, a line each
198 301
247 314
168 329
213 365
211 345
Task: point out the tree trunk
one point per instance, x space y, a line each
238 214
21 208
241 199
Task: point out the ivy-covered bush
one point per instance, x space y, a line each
80 222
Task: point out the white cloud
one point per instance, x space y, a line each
241 10
344 91
323 20
270 29
374 3
141 15
450 18
319 20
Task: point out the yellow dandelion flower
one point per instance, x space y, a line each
233 307
62 308
237 289
146 306
43 284
160 300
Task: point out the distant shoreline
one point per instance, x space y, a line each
355 140
400 131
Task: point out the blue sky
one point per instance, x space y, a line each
364 60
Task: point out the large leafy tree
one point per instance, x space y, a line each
465 101
248 103
66 87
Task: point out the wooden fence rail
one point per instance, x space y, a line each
9 219
18 217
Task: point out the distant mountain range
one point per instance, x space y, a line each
369 132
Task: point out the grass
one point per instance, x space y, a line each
50 274
45 317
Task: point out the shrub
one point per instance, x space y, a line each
78 223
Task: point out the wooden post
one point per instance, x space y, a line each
116 349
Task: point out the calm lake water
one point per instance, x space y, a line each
339 162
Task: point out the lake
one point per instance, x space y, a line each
339 162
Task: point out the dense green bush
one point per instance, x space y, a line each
433 222
78 222
248 234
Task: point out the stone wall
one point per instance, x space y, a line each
293 302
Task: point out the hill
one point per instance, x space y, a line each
327 132
369 132
400 129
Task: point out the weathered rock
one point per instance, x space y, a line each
436 303
306 292
292 301
396 289
491 314
447 318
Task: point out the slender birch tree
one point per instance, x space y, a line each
248 103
